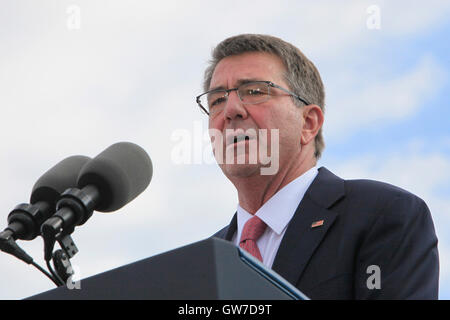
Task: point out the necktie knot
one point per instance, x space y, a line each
253 229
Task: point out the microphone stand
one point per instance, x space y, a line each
75 207
61 258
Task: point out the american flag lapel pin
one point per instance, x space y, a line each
316 224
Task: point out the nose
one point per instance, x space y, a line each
234 107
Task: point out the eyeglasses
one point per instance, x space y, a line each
253 92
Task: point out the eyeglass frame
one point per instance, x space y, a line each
227 93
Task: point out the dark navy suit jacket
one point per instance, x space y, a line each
371 231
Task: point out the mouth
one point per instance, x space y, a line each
240 138
236 138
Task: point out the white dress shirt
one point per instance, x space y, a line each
276 213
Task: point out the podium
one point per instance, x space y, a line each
211 269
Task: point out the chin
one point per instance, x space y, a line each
240 170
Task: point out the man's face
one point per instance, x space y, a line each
278 115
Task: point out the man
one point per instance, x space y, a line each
331 238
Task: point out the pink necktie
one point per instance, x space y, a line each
253 229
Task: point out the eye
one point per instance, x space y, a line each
216 99
255 92
217 102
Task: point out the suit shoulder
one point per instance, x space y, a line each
377 189
383 195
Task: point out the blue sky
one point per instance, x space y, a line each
76 91
429 122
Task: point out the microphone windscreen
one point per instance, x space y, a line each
62 176
120 173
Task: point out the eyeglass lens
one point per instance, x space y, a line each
249 93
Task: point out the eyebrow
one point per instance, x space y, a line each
238 83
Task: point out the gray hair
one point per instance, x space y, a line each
301 74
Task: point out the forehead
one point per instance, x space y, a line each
250 65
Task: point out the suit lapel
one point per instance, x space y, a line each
306 229
232 227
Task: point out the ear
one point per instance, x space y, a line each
312 122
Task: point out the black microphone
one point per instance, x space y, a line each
25 220
106 183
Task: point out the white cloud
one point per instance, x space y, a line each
411 17
384 100
411 170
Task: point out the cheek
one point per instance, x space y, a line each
273 119
270 135
216 136
286 124
215 124
262 116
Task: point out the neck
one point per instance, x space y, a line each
256 190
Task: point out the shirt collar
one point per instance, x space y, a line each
280 208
